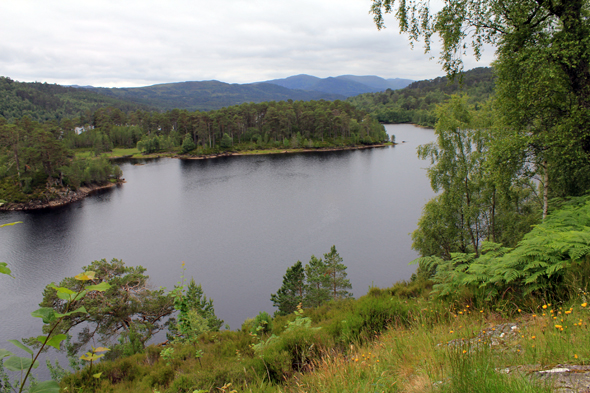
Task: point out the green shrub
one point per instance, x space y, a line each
295 349
372 315
412 289
262 324
160 376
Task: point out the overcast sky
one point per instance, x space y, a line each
125 43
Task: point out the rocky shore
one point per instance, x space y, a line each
58 197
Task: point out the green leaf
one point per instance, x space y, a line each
46 313
4 269
16 363
45 387
79 309
64 293
21 346
89 357
85 276
103 286
97 375
54 341
5 353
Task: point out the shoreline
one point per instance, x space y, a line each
64 198
280 151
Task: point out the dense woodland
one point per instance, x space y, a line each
266 125
417 103
36 164
37 156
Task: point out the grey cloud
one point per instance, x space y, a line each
135 43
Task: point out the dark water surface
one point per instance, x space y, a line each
237 222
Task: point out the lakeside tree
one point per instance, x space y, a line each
482 196
128 303
336 271
317 283
196 314
542 69
187 144
292 292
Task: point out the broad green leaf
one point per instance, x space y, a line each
4 269
54 341
64 293
16 363
79 309
21 346
85 276
5 353
103 286
10 223
100 349
97 375
48 314
45 387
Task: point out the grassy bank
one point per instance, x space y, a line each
136 154
386 341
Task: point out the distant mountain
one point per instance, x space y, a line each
42 101
378 82
347 85
210 95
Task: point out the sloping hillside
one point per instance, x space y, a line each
209 95
43 101
416 103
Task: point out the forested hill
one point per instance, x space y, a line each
42 101
416 103
210 95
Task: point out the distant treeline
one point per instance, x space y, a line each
264 125
417 103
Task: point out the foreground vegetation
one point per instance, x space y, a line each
387 341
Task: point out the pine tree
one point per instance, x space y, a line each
196 300
317 289
336 271
188 144
291 293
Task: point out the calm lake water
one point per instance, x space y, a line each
238 223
